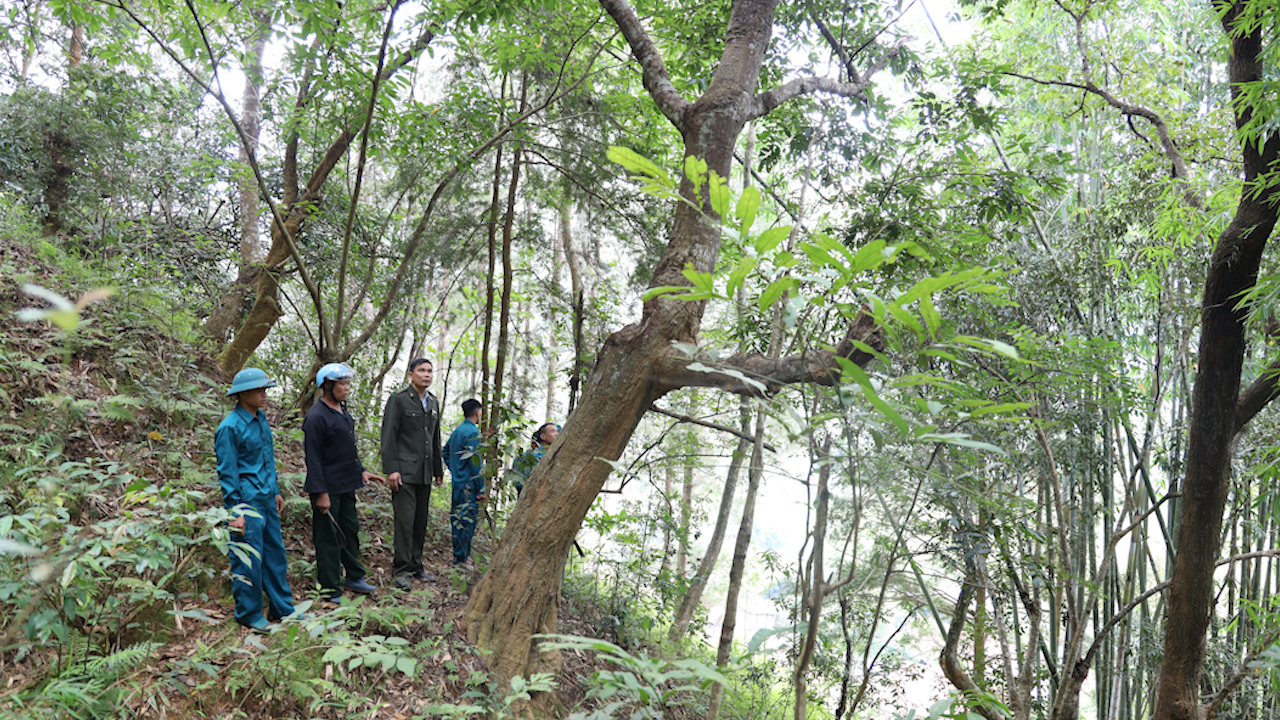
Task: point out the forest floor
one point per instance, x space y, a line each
119 395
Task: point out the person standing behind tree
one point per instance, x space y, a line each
542 439
411 450
334 473
462 453
247 473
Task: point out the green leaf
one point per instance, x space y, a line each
960 439
906 318
770 238
675 290
702 281
748 205
739 275
775 290
930 315
637 163
819 256
869 256
720 196
1001 408
695 169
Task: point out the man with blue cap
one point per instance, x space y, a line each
334 473
250 490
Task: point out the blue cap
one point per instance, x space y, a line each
334 371
250 379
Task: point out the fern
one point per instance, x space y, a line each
108 667
121 408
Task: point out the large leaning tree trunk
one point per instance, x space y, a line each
1219 408
518 597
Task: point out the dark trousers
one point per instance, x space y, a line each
409 504
462 520
335 550
252 575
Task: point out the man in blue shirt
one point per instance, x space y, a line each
247 473
334 473
462 455
524 464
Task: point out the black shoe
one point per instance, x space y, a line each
403 582
359 585
424 576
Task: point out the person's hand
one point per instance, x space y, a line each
369 477
237 525
439 480
279 504
482 497
322 502
393 481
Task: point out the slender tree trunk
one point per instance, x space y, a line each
686 511
814 591
60 148
575 284
218 327
1216 412
553 314
490 292
486 385
508 273
668 487
693 596
740 547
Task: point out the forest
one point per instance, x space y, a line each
914 359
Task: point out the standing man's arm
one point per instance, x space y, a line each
224 445
472 445
437 461
390 453
313 448
273 480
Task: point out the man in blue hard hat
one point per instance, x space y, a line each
334 473
250 490
411 460
466 469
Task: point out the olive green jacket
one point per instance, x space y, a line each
411 438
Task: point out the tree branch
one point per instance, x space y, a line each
1243 672
655 77
758 375
1258 395
764 103
708 424
950 659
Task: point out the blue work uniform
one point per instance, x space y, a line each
524 464
462 455
247 473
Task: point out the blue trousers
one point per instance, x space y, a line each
266 573
462 520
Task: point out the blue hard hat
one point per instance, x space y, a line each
250 379
334 371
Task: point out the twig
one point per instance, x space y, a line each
708 424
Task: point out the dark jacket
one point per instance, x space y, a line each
329 438
411 438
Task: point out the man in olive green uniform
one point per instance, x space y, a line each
411 458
